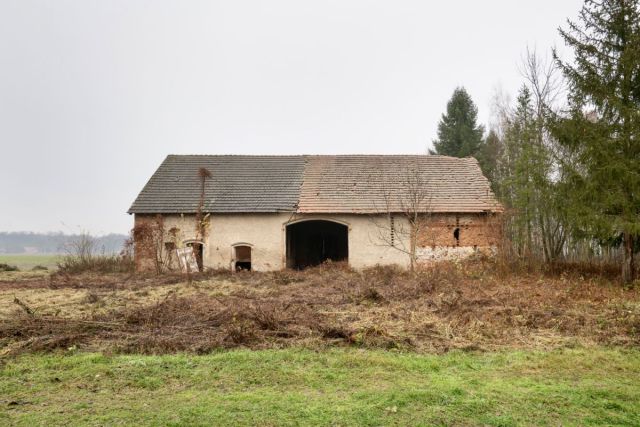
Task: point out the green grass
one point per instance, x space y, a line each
335 387
28 261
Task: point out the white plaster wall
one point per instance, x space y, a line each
427 255
266 234
444 253
366 248
185 223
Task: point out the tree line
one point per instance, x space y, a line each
564 158
55 243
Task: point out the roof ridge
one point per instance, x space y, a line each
436 156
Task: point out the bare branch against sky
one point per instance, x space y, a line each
94 94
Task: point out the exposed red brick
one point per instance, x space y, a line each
479 230
145 230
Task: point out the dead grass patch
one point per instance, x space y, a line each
463 306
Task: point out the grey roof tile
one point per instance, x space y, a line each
237 184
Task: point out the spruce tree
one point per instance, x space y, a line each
488 158
601 133
458 133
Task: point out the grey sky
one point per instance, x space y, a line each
94 94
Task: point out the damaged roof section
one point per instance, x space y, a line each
374 183
315 184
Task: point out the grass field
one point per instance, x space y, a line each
595 386
28 261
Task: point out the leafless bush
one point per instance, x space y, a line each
7 267
92 297
82 256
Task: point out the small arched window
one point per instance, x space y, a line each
242 257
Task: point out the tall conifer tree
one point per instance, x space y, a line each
602 132
458 133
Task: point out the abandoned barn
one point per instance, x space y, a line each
273 212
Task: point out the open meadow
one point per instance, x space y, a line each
28 261
457 344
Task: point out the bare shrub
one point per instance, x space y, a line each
92 297
82 256
239 332
269 317
7 267
371 294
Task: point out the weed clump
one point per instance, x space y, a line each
7 267
96 264
82 256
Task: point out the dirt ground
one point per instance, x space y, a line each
450 306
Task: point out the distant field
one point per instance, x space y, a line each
28 261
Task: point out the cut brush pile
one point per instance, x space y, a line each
451 306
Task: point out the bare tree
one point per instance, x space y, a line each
528 170
546 84
405 197
83 247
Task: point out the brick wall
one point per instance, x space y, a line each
474 230
144 241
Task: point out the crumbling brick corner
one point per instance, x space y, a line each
147 235
452 236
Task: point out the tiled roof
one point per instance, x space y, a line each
237 184
369 183
317 184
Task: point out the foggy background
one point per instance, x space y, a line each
94 94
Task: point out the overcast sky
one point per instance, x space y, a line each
94 94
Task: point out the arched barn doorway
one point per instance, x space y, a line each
312 242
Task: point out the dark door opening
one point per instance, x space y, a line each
313 242
198 250
242 258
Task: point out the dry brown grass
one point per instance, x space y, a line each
468 306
